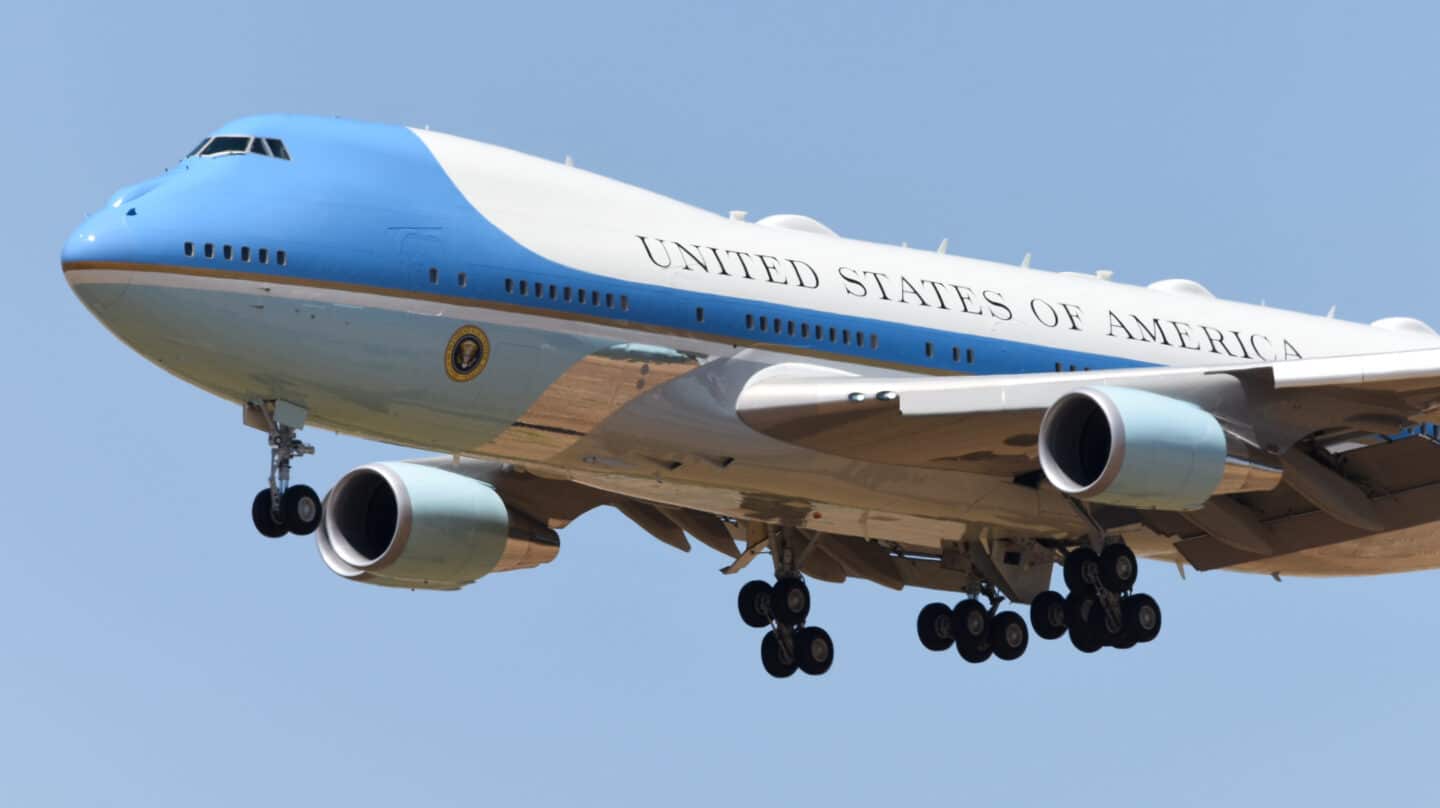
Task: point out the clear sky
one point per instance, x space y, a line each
155 651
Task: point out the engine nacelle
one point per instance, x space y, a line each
1130 447
421 527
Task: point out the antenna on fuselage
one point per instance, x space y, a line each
1025 262
944 245
569 161
1331 313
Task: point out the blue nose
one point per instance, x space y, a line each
94 258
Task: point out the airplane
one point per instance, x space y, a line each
563 341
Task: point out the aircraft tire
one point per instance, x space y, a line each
1047 615
1009 636
790 603
934 625
300 508
264 518
774 661
814 651
971 627
1118 568
1077 561
1142 615
754 603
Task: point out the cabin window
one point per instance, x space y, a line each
845 336
609 300
553 295
699 314
523 285
625 302
805 330
540 290
245 254
509 286
970 356
749 322
832 333
594 298
790 327
264 255
762 322
461 280
280 257
190 249
859 339
874 341
228 252
567 294
434 275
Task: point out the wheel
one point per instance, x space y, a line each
264 518
970 624
776 662
1082 568
813 650
1142 616
1085 639
790 603
934 628
1125 640
300 508
1118 569
1008 635
755 604
1047 615
1079 607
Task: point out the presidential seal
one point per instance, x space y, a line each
467 353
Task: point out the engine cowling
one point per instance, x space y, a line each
421 527
1122 446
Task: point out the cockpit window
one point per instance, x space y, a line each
225 144
241 144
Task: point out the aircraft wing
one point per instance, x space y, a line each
989 424
1321 419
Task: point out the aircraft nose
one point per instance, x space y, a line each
93 259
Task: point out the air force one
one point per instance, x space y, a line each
564 341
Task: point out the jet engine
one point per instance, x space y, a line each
422 527
1122 446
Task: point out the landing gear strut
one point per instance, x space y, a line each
282 508
783 607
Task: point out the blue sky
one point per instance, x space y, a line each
157 652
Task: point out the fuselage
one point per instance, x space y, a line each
617 323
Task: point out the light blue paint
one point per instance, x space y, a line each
1174 452
364 203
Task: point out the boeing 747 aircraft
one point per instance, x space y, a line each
563 341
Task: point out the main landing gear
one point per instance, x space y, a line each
1101 609
283 508
789 645
977 632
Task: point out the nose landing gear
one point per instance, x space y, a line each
282 508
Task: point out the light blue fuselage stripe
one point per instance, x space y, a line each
368 204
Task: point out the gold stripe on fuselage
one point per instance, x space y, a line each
490 305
